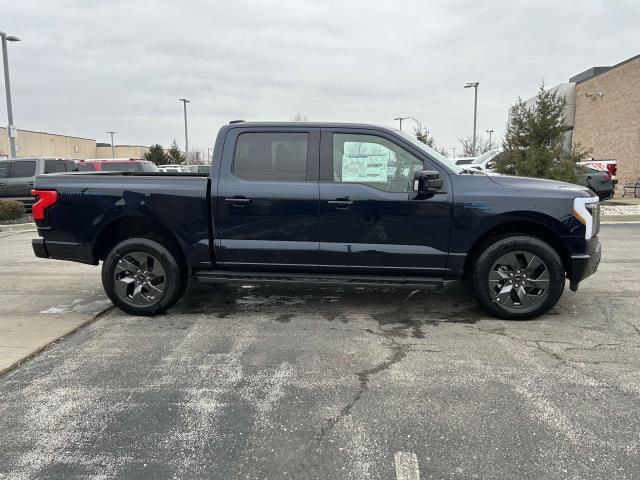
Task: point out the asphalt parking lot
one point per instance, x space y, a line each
263 382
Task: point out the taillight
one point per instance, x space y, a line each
46 198
613 169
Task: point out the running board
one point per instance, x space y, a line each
235 276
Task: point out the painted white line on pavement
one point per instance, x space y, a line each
406 466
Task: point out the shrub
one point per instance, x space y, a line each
10 210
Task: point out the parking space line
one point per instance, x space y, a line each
406 466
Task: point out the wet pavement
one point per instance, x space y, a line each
275 382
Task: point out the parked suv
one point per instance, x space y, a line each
17 175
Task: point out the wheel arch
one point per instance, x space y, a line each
132 226
515 227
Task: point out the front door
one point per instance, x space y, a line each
266 204
370 218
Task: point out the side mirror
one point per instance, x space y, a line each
491 165
427 182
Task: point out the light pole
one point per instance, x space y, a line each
186 136
489 132
400 119
112 152
474 85
11 130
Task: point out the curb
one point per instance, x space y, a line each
619 218
46 346
18 227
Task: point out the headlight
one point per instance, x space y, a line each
587 210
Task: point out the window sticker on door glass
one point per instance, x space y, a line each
364 168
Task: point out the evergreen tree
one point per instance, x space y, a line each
157 155
533 143
176 157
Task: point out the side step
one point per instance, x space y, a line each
236 276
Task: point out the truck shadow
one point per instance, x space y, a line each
395 310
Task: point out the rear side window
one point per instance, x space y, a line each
121 166
86 167
271 156
23 169
4 169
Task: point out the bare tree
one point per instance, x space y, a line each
423 134
482 146
300 117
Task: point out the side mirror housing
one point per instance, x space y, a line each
427 182
491 164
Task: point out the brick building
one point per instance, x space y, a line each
607 115
603 114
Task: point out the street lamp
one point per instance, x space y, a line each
489 132
474 85
112 153
186 136
400 119
11 130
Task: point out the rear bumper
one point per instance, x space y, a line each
74 252
584 264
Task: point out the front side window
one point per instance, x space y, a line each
275 157
22 169
53 166
373 161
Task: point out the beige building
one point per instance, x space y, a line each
607 115
41 144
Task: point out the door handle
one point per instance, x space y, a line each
30 184
237 201
340 203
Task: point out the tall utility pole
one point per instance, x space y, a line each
186 136
489 132
11 129
112 151
474 85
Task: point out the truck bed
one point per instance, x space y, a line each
93 207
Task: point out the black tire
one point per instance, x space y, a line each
133 292
500 301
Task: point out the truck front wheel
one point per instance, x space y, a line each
518 277
143 276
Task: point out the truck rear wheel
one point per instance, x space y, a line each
518 277
143 276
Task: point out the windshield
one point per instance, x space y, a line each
430 151
485 156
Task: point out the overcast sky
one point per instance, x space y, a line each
88 66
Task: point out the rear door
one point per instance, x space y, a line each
21 178
266 203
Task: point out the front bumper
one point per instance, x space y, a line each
583 265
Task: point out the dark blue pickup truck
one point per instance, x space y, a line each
323 203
